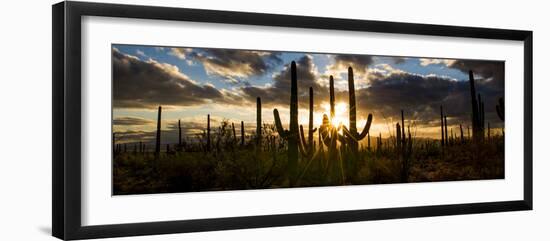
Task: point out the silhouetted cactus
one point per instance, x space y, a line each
258 120
330 138
446 133
398 137
208 133
307 148
404 148
179 134
352 135
500 108
234 133
242 133
157 142
442 128
478 111
291 135
331 98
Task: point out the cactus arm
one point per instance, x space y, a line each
366 129
278 124
323 130
301 146
303 137
348 133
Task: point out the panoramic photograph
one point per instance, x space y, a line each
191 119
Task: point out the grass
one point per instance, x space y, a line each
230 166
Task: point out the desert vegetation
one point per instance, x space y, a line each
278 155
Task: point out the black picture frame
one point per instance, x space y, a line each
66 127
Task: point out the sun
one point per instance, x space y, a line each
340 113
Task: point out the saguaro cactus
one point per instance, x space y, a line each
331 98
157 142
478 111
446 133
442 128
307 147
258 120
500 108
179 133
403 146
291 135
330 138
208 132
353 136
242 133
234 133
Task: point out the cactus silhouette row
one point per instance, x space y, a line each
337 150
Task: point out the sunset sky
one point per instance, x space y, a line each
190 83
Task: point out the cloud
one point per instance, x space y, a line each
147 84
141 53
232 63
420 96
491 72
180 53
359 63
430 61
131 121
278 93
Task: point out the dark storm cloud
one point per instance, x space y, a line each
421 97
278 94
147 84
232 63
131 121
491 71
359 63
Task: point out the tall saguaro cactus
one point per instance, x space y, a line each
291 135
331 98
353 136
500 108
258 120
234 133
307 147
242 133
446 133
442 128
179 133
157 142
208 132
478 111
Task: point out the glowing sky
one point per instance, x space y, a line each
190 83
